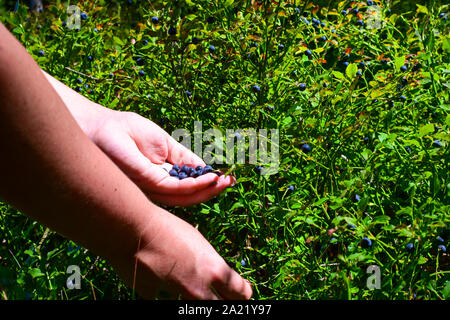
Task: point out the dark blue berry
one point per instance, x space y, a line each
258 169
182 175
442 248
207 169
176 167
256 88
366 242
173 173
410 246
302 87
403 68
172 31
437 144
84 15
142 73
305 148
184 168
155 20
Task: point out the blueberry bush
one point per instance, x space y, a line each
359 94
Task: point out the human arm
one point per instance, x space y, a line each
53 172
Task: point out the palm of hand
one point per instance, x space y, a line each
145 153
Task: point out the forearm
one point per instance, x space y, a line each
51 170
86 113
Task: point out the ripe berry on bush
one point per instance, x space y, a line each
155 20
305 148
172 31
366 242
410 247
302 87
256 88
403 68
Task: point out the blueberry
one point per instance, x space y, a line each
344 12
243 262
194 173
323 38
308 53
440 239
256 88
362 64
95 30
442 248
366 139
184 168
437 128
253 45
345 64
297 10
270 108
358 73
182 175
403 98
302 87
281 46
195 40
404 82
437 144
291 188
207 169
90 58
408 149
155 20
142 73
79 80
199 168
176 167
41 52
403 68
325 85
188 93
140 61
173 173
355 11
410 247
441 15
366 242
211 48
258 169
145 42
315 21
78 89
351 226
64 23
359 23
370 3
172 31
305 148
323 24
356 198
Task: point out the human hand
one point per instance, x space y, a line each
145 152
174 257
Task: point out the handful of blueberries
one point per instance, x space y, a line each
186 171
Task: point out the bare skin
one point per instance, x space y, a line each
53 172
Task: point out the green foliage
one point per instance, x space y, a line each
364 140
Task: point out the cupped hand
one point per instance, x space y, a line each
146 153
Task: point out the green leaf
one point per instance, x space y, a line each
36 272
338 75
118 41
351 70
426 129
399 62
422 9
446 291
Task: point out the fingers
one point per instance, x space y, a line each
179 154
197 197
231 286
